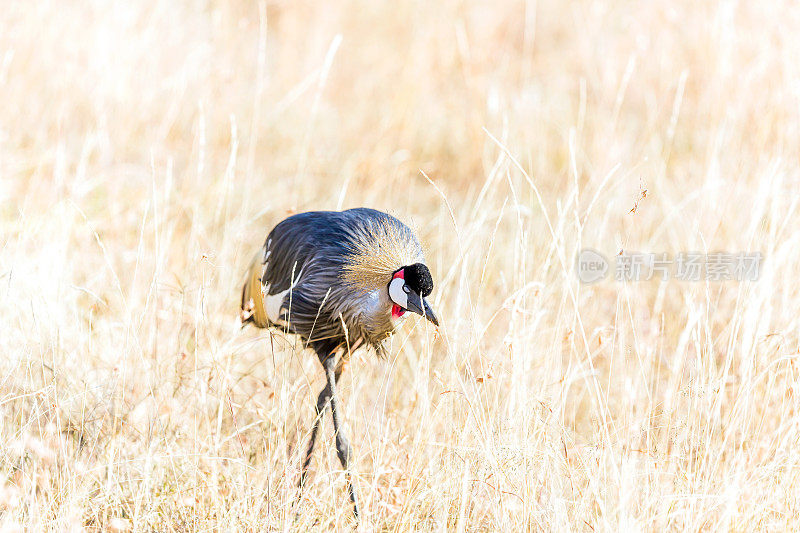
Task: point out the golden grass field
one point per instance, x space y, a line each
147 148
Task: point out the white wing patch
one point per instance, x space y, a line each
273 304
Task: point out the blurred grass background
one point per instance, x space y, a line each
147 148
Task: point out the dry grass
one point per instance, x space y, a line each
146 148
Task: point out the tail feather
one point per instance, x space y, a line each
252 307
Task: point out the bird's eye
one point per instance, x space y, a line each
406 289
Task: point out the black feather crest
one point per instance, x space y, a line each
418 278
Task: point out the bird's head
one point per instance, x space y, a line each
407 290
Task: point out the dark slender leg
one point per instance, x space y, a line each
342 446
322 404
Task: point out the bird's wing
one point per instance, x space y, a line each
275 269
252 308
300 261
292 247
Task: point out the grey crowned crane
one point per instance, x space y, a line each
339 280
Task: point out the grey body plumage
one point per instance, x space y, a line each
339 280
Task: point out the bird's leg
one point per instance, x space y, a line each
322 404
343 450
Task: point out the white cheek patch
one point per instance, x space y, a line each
397 294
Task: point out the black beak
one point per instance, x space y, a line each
420 306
